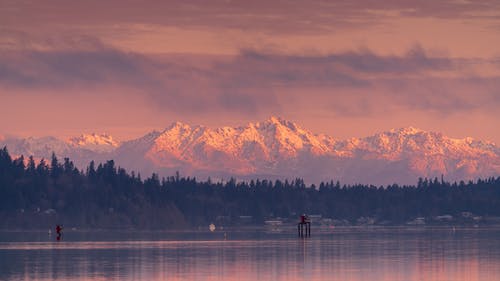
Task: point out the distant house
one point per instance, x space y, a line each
50 212
417 221
444 218
245 220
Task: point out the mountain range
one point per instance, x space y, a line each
277 148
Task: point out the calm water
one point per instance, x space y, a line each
339 254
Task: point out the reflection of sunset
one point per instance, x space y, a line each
380 255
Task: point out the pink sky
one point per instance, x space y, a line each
347 68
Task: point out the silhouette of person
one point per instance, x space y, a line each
59 232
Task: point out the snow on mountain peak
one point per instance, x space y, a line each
94 142
277 147
407 131
277 122
178 126
240 149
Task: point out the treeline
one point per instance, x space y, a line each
34 195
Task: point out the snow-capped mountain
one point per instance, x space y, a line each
37 147
94 142
410 153
81 150
277 148
239 150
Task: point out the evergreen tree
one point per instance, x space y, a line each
108 196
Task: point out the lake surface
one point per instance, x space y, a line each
334 254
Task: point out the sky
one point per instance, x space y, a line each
345 68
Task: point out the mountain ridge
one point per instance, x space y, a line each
95 142
279 148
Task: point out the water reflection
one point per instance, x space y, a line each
350 254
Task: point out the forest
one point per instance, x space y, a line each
39 194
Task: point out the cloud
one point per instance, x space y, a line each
66 68
169 83
364 61
19 38
463 9
254 68
365 84
447 95
354 83
279 16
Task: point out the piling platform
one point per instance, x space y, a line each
304 229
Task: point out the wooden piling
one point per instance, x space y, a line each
304 229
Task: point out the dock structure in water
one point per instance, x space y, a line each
304 227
